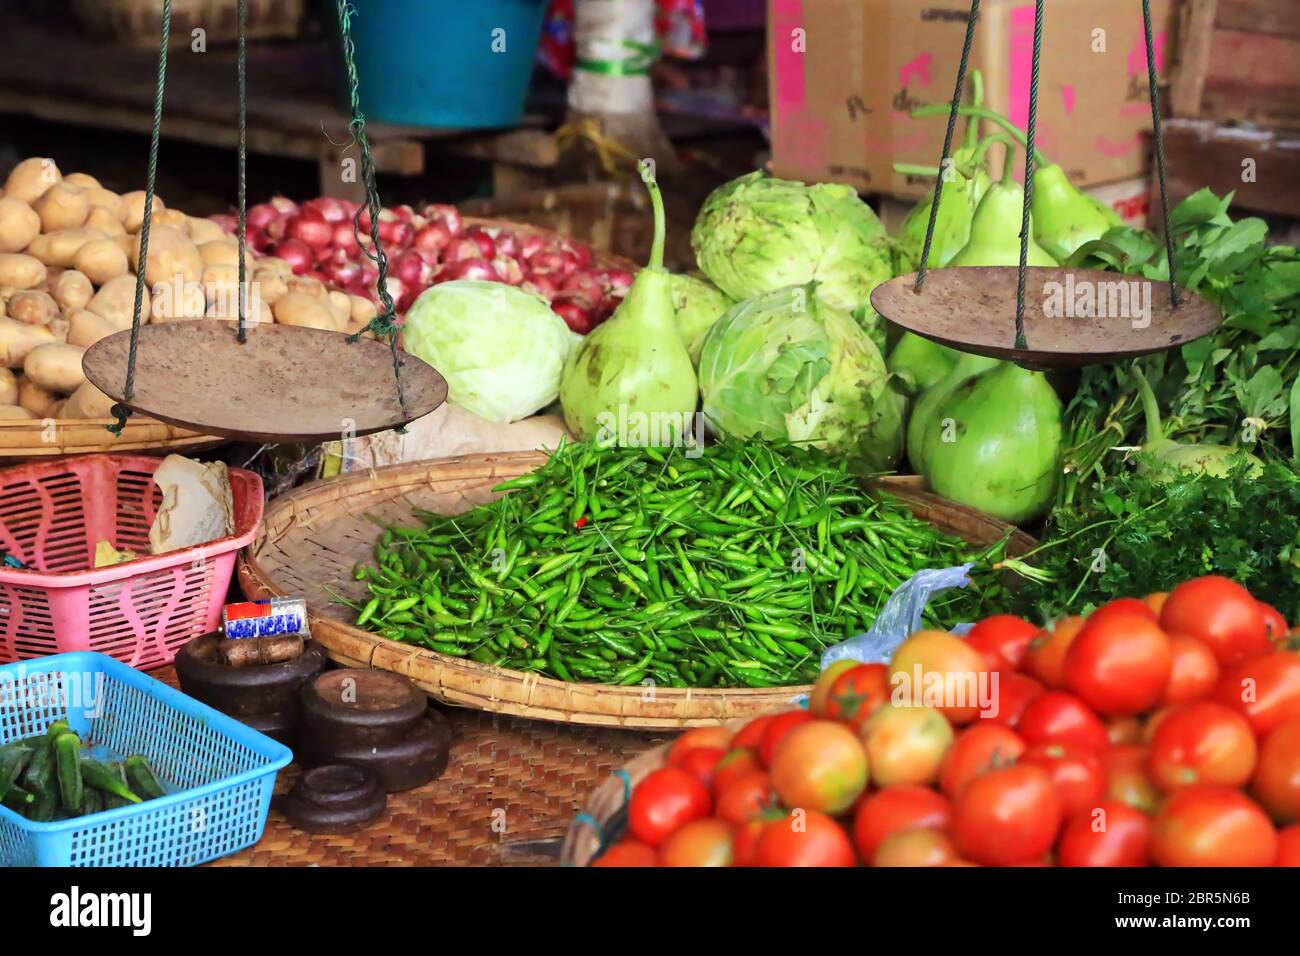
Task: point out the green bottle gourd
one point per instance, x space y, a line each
634 365
995 230
924 426
1164 459
1001 450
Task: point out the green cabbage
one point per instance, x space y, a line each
788 364
500 349
697 305
758 233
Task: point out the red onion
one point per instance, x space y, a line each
542 285
508 270
574 315
507 244
258 240
448 215
284 205
412 269
344 239
468 269
433 237
295 252
277 228
395 232
328 209
342 272
404 213
317 233
585 286
581 253
262 215
460 249
530 245
396 287
550 262
487 248
428 255
616 281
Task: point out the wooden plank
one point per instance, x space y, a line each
534 148
1200 153
1196 30
1277 17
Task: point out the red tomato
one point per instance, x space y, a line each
1123 607
1156 601
665 800
1194 673
940 670
1212 826
744 843
1005 817
894 809
923 847
1288 846
905 744
1277 780
751 735
1203 742
1058 717
1124 731
746 798
699 843
1274 622
719 737
1045 658
701 763
819 766
627 853
1128 779
733 766
1002 640
1111 834
1119 664
976 750
1265 690
1154 720
1221 613
1012 694
804 838
825 681
858 693
780 725
1078 774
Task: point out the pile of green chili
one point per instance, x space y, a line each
733 568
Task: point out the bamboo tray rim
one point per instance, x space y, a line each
468 683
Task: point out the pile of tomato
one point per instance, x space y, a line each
1157 731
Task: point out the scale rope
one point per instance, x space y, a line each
383 325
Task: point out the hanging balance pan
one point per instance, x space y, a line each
1073 317
284 384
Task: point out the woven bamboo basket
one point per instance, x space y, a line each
34 438
312 538
138 23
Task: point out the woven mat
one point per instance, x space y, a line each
509 781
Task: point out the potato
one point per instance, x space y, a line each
133 203
85 328
13 413
87 402
55 367
73 289
101 198
8 387
59 325
105 221
306 285
101 260
340 305
269 286
361 309
203 230
19 225
82 181
35 399
30 179
302 309
18 338
222 308
171 256
34 308
172 303
115 301
277 265
225 252
62 207
173 218
21 271
60 248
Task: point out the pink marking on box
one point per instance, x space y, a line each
918 67
1137 56
1068 97
787 63
1111 147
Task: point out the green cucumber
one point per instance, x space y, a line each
39 777
41 810
142 779
104 778
67 753
18 799
13 761
92 801
56 729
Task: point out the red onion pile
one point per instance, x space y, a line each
428 247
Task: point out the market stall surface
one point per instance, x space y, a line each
509 783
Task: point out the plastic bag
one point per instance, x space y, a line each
899 618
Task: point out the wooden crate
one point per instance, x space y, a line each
1258 164
1239 60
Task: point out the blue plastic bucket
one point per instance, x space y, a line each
445 63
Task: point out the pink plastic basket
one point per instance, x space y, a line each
52 514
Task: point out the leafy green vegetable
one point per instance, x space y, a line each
1136 535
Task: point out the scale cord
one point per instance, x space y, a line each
121 410
1030 133
384 324
1154 85
242 16
947 143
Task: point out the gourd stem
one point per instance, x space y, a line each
657 203
1150 408
939 109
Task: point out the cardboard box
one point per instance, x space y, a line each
845 75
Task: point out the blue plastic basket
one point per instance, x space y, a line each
457 65
217 772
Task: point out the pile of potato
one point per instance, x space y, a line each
69 254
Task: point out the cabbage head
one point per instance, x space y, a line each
501 349
759 233
697 304
787 364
